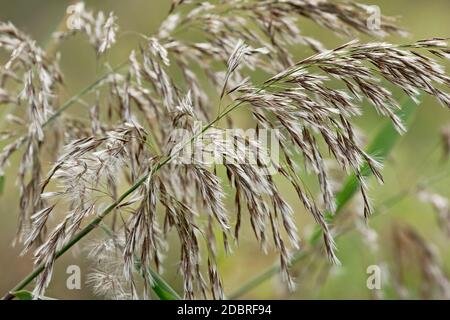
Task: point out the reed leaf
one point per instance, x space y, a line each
27 295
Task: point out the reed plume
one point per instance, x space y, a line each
130 134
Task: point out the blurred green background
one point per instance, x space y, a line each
417 156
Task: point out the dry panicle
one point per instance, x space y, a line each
130 131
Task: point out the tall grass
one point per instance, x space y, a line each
130 139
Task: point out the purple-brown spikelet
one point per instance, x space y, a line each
145 116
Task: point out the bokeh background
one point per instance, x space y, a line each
418 156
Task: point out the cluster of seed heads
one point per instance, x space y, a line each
128 137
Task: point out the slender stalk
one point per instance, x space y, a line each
299 256
49 47
80 235
94 223
66 105
266 275
20 141
381 146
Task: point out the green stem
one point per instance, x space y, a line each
389 203
76 97
20 141
80 235
93 224
266 275
50 47
300 255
